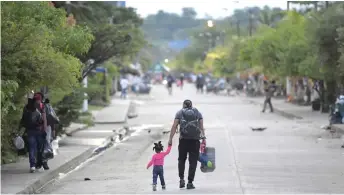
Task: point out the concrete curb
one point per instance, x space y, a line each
69 133
110 122
65 168
132 106
278 111
70 165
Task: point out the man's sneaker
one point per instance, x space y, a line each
182 183
39 168
163 187
45 166
190 186
154 187
32 169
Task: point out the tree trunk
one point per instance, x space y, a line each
322 94
238 27
308 94
316 5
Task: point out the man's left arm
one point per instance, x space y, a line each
200 118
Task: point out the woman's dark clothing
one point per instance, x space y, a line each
32 121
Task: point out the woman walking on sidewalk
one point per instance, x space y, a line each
33 120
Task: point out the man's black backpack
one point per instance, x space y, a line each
189 124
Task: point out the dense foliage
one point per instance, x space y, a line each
36 50
42 45
299 43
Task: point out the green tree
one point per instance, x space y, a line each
116 30
325 30
38 49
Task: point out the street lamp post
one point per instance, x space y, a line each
210 24
250 22
68 7
84 81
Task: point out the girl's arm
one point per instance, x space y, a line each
150 162
168 150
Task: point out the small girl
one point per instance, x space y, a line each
158 164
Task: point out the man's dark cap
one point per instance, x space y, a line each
187 103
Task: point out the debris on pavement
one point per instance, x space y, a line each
326 127
165 132
87 179
258 128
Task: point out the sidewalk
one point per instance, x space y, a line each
116 112
16 177
293 111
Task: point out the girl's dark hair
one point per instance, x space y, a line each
158 147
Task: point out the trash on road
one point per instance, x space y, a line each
87 179
258 128
326 127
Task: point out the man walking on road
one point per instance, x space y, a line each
200 83
269 91
191 130
181 78
124 86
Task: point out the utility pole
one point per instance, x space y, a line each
68 8
238 27
250 22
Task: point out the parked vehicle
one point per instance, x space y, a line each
210 86
144 88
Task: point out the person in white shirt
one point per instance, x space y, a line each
135 85
124 86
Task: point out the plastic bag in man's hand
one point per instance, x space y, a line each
51 115
55 146
19 143
48 152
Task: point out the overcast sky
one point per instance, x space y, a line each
214 8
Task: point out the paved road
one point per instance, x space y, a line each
288 157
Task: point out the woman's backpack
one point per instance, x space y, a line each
32 119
